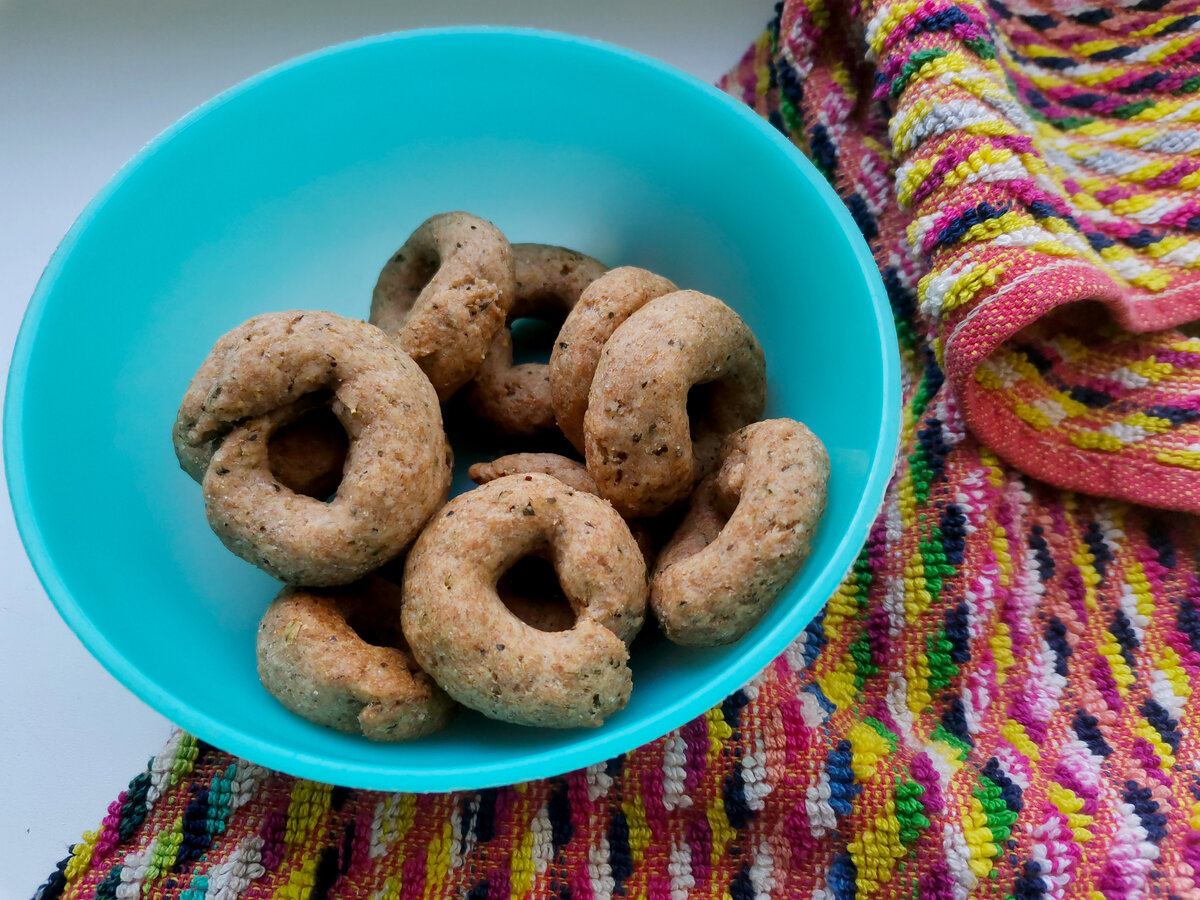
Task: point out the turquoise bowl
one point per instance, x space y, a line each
290 191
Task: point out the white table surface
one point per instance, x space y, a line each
83 86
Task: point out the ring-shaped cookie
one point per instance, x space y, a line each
648 435
747 531
482 654
397 469
445 294
516 398
603 306
312 659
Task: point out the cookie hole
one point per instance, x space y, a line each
308 454
533 339
531 591
422 268
702 407
376 629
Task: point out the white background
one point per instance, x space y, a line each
83 86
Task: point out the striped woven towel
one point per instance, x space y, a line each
999 700
1036 155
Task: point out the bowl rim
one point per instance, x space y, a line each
598 745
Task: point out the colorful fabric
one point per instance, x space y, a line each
998 701
1040 154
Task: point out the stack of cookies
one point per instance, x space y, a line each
320 447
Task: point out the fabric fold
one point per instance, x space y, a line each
1040 156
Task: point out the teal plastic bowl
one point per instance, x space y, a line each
289 192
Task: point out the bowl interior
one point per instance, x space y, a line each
290 192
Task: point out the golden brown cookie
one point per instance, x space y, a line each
747 531
680 375
603 306
397 469
445 295
481 653
516 399
337 657
571 473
